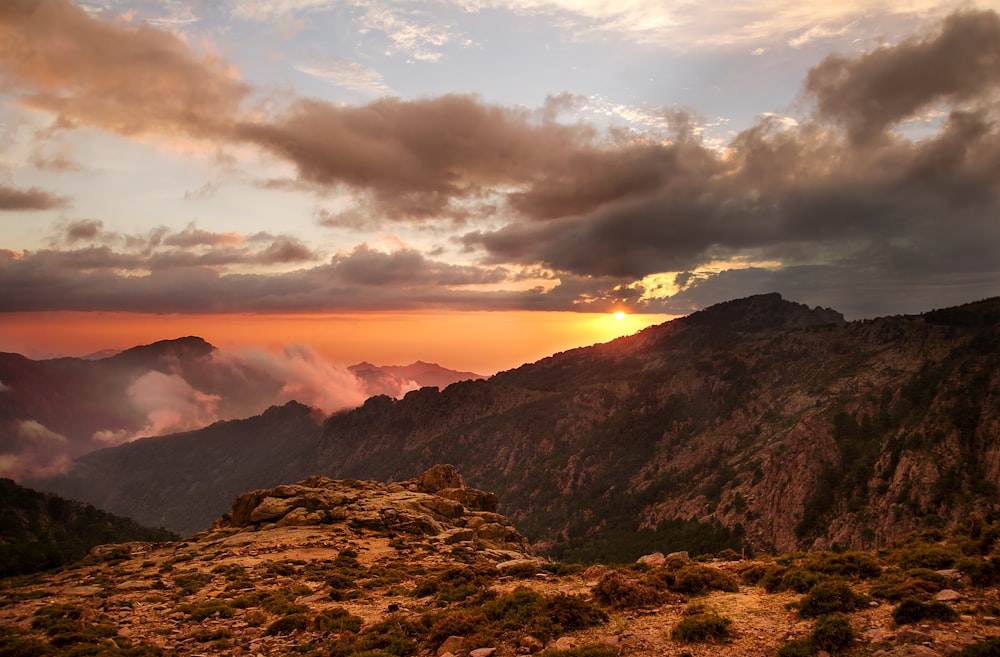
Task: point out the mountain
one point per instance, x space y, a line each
53 411
343 568
395 380
759 423
40 531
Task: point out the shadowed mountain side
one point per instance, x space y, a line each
185 481
756 423
39 531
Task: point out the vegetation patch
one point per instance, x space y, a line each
912 610
830 597
699 626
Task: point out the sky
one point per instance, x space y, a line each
481 183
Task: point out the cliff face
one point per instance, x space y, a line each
759 423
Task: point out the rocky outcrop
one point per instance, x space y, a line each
437 504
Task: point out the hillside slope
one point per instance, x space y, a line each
40 531
758 422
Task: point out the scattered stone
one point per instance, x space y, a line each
482 652
907 635
452 644
948 595
565 643
950 573
682 555
530 644
654 559
876 635
83 590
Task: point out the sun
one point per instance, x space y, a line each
619 315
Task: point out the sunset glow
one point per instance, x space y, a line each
481 184
481 342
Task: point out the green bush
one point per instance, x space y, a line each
694 579
621 592
199 611
934 556
702 626
191 582
288 624
829 597
336 619
798 648
912 610
914 583
980 571
832 633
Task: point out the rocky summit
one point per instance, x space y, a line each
437 505
425 567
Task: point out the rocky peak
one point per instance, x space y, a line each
762 312
437 505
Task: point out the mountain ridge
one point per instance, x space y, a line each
726 433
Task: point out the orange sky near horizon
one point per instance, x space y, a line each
484 342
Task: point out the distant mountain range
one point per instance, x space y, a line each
757 423
52 411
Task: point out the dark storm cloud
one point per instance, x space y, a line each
12 198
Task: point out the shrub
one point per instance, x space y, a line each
981 572
192 582
694 579
571 613
911 610
914 583
453 622
797 648
287 625
592 650
700 627
199 611
800 580
987 648
336 619
927 555
206 635
832 633
830 597
620 592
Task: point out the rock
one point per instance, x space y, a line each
907 635
823 653
682 555
452 644
875 635
950 573
530 644
611 642
134 585
654 559
271 509
565 643
948 595
473 499
437 478
482 652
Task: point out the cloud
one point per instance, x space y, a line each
32 450
840 190
420 158
12 198
867 94
127 79
170 404
348 75
83 229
